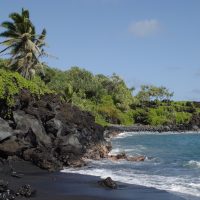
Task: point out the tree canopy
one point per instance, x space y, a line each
150 92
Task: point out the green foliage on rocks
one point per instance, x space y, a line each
11 83
108 98
168 115
112 102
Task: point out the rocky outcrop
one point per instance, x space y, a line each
26 123
50 133
123 156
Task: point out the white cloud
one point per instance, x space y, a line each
145 28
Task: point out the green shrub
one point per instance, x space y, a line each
160 116
11 83
182 117
165 115
158 120
140 116
99 119
126 118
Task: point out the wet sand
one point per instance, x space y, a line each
63 186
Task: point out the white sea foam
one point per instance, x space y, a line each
125 134
193 164
136 150
129 134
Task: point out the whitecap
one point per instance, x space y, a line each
193 164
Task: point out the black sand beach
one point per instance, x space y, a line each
63 186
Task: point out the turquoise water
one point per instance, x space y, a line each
172 162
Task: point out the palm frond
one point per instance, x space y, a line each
11 42
9 34
8 25
16 17
25 13
5 49
41 38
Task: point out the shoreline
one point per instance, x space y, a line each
114 130
69 186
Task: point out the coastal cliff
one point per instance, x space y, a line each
49 133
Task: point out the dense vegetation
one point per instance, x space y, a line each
108 98
111 101
11 83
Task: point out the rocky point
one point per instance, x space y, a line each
50 133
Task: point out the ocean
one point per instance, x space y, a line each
172 162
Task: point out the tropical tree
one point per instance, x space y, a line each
151 93
116 87
24 46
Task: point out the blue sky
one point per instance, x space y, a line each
144 41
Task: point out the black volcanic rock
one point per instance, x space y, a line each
26 122
5 130
109 183
50 133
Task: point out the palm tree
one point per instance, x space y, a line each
23 44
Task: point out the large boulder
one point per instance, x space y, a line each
109 183
68 148
25 123
5 130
